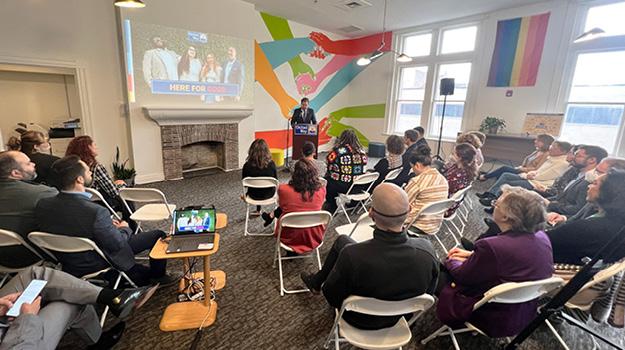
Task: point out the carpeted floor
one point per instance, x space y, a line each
253 315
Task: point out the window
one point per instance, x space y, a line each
454 109
411 95
417 45
594 112
458 40
416 100
607 17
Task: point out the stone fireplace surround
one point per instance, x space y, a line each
185 126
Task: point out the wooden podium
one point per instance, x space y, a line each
301 134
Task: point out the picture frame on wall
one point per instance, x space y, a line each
543 123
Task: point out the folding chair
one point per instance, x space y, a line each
343 198
258 182
10 238
66 244
97 196
390 176
579 302
359 231
432 209
385 338
459 198
157 208
505 293
299 220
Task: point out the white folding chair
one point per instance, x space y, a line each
10 238
156 209
459 198
49 242
258 182
359 231
583 303
385 338
390 176
432 209
366 179
505 293
299 220
97 196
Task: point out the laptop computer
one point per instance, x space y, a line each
194 230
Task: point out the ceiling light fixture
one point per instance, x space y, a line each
129 3
591 34
366 60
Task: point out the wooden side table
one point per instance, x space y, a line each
191 314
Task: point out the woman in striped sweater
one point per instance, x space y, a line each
427 186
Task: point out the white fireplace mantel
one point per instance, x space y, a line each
184 115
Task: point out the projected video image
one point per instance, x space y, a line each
205 67
195 221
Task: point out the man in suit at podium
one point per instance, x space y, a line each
303 115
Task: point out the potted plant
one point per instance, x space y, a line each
492 125
122 172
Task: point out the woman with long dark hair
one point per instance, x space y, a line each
189 66
346 161
304 192
37 147
461 172
259 164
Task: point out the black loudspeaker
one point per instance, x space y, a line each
447 86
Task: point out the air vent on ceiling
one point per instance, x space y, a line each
349 5
350 29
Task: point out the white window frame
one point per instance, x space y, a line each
604 44
432 61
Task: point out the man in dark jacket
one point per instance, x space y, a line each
411 138
19 196
573 198
391 266
71 213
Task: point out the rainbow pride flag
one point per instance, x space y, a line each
518 49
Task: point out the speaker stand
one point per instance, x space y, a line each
440 132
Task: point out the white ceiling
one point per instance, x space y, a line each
326 14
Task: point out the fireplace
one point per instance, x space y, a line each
194 139
199 146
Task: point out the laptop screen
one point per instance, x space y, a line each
194 221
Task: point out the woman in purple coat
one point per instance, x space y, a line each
520 253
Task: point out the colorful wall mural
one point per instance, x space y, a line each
319 85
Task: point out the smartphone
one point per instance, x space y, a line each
28 296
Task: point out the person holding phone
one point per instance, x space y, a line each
63 302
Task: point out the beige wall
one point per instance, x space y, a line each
73 32
35 98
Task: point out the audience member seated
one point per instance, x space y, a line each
85 148
17 207
36 146
482 137
427 186
589 208
573 241
309 151
472 140
544 176
570 174
421 141
391 266
304 192
411 137
65 303
71 213
259 164
346 161
392 161
530 163
521 253
461 171
573 198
